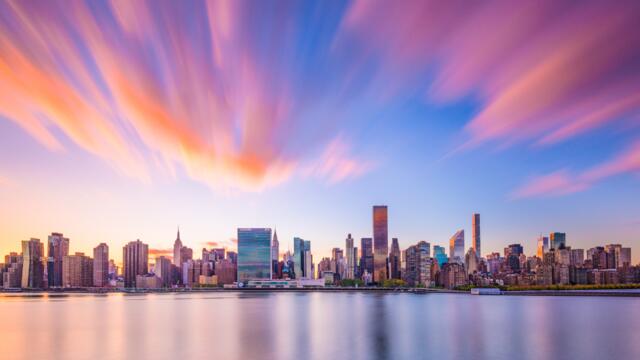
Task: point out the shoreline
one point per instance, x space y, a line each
422 291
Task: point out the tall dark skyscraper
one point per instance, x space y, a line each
32 267
380 243
394 260
475 235
135 259
366 255
254 254
57 249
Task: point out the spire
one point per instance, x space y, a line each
178 238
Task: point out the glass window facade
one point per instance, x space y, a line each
254 254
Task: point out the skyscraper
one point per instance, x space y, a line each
475 235
543 246
254 254
418 264
135 259
275 254
101 265
456 246
32 268
275 247
298 257
366 256
162 270
77 270
351 258
557 240
177 247
440 255
58 248
394 259
380 243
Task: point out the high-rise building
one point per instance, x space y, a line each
77 270
298 257
58 248
366 256
543 246
254 254
380 243
624 258
475 235
351 258
162 270
275 247
577 257
440 255
394 259
101 265
177 251
456 246
418 264
471 261
135 259
513 249
32 267
557 240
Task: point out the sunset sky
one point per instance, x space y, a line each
123 120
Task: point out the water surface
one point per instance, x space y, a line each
235 325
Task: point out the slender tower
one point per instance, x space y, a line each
475 235
380 243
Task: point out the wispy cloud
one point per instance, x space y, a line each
564 182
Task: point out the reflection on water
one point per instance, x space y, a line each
317 325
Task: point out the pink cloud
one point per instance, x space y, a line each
336 164
563 182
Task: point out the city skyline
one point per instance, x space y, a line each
120 121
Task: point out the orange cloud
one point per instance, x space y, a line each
161 252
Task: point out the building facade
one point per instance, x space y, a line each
135 259
254 254
101 265
475 235
380 243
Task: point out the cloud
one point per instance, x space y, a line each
564 182
150 86
336 164
161 252
212 244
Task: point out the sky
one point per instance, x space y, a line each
123 120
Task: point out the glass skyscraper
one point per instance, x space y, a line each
558 240
254 254
380 243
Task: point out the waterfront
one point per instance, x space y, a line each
316 325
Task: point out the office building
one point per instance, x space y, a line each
135 259
32 267
350 258
77 271
380 243
162 270
456 246
58 248
557 240
366 256
475 235
543 246
440 255
101 265
254 254
394 260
